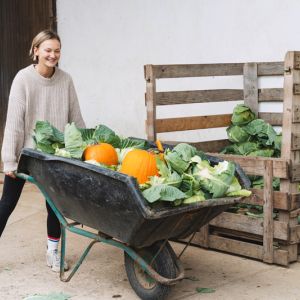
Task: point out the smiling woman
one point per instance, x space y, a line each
45 50
39 92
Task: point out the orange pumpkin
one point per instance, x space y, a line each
140 164
102 153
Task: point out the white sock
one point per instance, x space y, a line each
52 243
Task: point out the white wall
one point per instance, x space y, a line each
106 43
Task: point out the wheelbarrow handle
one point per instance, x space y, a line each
25 177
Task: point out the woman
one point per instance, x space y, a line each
40 91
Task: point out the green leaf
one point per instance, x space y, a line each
104 134
163 192
236 134
242 114
185 151
194 199
74 143
45 135
132 143
202 290
239 193
262 130
176 162
247 147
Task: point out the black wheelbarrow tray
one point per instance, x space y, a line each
111 204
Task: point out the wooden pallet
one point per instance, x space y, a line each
272 241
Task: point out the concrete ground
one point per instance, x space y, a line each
24 274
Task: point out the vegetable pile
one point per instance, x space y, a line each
181 175
251 136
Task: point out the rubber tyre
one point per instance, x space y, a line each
163 265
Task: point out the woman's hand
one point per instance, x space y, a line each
11 174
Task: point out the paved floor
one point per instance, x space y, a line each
23 272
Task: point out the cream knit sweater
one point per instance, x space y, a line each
36 98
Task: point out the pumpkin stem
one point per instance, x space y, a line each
159 146
160 149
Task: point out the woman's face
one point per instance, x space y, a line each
48 53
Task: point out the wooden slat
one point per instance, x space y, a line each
204 122
270 69
246 249
295 234
255 165
268 95
211 146
281 200
225 69
296 89
275 119
191 123
204 233
295 200
150 103
269 226
296 113
200 96
197 70
295 172
251 86
296 60
295 141
248 224
203 96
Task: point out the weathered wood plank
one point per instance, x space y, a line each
270 69
150 103
198 96
251 86
204 96
296 113
191 123
296 89
295 172
255 165
246 249
295 234
295 141
269 226
224 69
197 70
296 60
271 94
204 233
295 200
211 146
282 200
248 224
275 119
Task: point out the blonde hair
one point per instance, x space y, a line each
40 38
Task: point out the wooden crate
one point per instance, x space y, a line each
272 241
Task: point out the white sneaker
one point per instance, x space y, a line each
53 261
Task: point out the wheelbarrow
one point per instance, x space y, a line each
111 204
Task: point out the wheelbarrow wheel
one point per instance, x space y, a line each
146 287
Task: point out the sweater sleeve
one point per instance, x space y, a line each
74 109
13 140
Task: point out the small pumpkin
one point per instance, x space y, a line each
140 164
103 153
